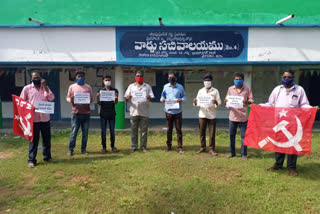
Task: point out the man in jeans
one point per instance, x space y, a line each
238 116
207 113
80 112
173 95
33 93
138 95
107 115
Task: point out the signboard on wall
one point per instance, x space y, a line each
181 45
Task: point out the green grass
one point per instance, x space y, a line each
154 182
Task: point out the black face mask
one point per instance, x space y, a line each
36 82
172 80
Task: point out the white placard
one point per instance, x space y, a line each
81 98
204 101
44 107
171 104
234 102
139 96
107 95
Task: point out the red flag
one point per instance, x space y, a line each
22 117
284 130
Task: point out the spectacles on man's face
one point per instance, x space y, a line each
139 76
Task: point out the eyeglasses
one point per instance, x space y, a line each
139 76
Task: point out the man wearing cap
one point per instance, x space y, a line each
33 93
80 111
138 95
208 99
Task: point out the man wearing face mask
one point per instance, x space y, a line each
107 115
173 91
238 116
207 113
138 95
33 93
80 113
287 95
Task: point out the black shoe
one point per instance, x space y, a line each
167 149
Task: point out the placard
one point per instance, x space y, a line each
234 102
139 96
171 104
44 107
107 95
81 98
204 101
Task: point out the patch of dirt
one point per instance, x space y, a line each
29 180
75 180
5 155
58 173
3 192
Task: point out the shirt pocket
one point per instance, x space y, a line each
294 100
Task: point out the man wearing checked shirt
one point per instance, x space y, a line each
173 91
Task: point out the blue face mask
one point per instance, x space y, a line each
238 82
287 82
80 81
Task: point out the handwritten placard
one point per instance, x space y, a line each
139 96
44 107
81 98
204 101
234 102
107 95
171 104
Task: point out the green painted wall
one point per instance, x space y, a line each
146 12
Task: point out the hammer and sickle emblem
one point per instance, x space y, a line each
292 140
26 129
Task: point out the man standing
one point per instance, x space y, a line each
173 95
139 94
80 111
208 99
287 95
107 114
238 115
33 93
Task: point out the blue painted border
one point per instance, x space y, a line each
158 64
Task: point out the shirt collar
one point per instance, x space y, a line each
293 87
143 84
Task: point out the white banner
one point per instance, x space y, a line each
171 104
139 96
234 102
204 101
44 107
81 98
107 95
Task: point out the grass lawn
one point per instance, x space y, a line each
154 182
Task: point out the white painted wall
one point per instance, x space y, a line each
57 44
284 44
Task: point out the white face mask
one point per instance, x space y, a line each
107 83
207 84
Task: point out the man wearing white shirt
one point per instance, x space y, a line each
208 99
138 95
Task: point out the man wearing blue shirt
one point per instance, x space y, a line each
173 95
